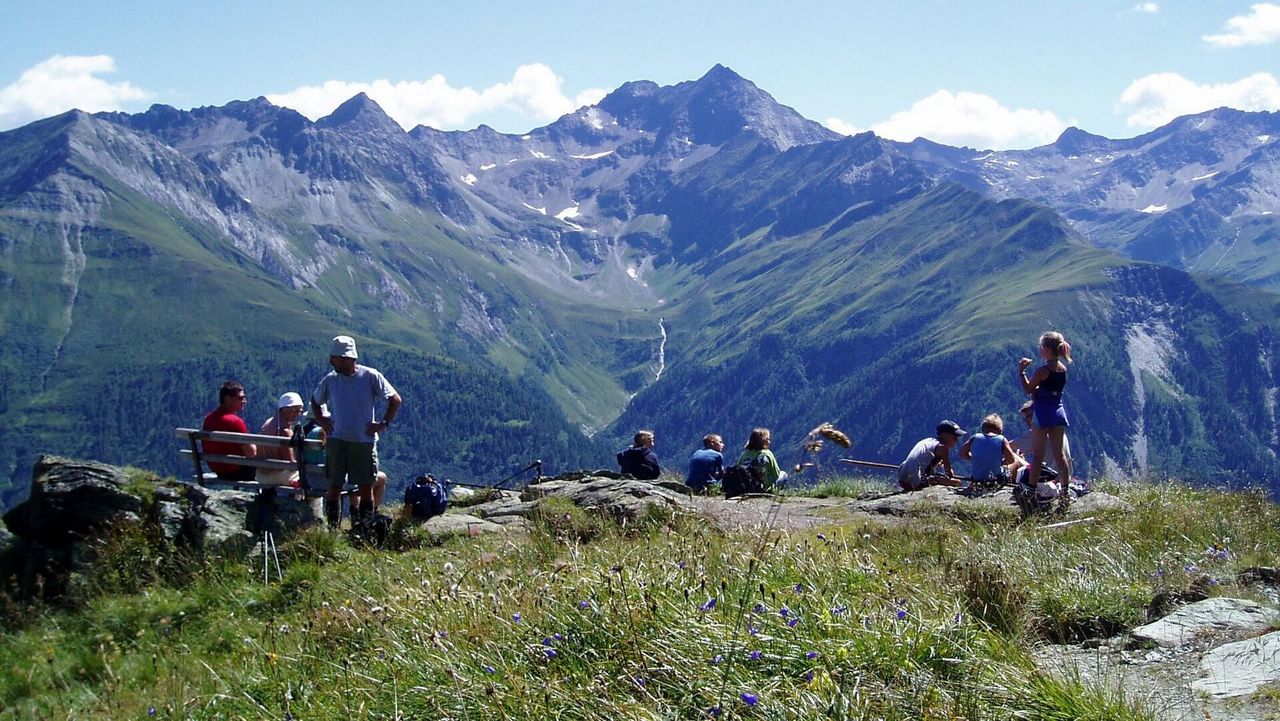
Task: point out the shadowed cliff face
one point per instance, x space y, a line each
692 257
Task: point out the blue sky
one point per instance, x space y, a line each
990 74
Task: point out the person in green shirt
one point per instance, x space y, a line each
757 453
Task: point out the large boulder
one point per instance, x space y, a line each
1203 621
72 500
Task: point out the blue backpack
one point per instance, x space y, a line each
426 497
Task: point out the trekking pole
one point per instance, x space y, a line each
869 464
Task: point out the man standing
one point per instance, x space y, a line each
223 418
350 392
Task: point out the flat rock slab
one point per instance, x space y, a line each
1241 668
623 499
1207 619
947 499
460 524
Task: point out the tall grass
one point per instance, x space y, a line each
664 618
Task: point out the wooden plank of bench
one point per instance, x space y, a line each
243 438
276 464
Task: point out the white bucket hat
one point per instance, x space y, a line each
344 346
289 400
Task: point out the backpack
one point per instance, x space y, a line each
743 478
426 497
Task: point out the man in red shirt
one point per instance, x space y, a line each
224 418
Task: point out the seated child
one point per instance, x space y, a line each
991 456
918 470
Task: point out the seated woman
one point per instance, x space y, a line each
288 409
758 455
991 457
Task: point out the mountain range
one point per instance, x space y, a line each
687 258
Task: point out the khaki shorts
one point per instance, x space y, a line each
349 461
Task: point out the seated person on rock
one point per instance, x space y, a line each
706 465
288 409
231 401
757 453
920 469
639 461
991 458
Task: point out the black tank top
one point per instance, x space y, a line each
1054 384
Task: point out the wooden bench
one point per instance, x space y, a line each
311 476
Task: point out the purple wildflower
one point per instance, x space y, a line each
839 610
753 630
710 604
718 658
151 710
793 622
759 607
714 711
811 655
546 641
808 676
584 604
490 669
549 652
799 588
682 565
784 612
754 656
750 699
902 614
557 637
515 617
1190 568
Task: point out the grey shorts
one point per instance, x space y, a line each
349 461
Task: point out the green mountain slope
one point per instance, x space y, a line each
892 322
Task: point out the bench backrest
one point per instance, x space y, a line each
312 474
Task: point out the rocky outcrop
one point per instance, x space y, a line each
948 499
622 499
1203 621
73 505
460 524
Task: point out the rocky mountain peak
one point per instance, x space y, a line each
1075 141
361 114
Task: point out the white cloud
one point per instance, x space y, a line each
61 83
1259 27
1146 8
1154 100
534 91
971 119
842 127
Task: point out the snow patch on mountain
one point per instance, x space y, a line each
1154 209
1206 176
488 166
469 179
592 156
542 210
538 154
566 215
